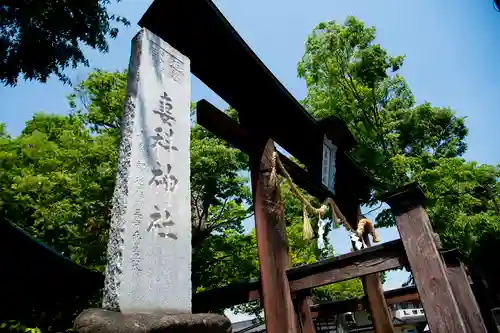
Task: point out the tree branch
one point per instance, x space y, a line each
351 86
196 206
222 209
353 126
217 225
84 100
109 125
378 121
354 90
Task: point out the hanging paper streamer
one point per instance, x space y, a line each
321 233
357 242
337 216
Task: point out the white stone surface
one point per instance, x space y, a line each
149 253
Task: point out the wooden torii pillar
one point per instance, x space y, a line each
372 284
428 269
272 245
460 285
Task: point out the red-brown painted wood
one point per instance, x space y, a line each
372 284
464 296
272 247
428 269
303 304
351 265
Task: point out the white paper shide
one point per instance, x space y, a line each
154 270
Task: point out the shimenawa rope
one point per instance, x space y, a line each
363 223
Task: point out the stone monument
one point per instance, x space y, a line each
148 277
149 252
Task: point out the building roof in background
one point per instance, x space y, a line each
249 326
36 276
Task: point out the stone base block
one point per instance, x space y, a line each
105 321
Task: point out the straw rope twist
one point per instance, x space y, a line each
364 224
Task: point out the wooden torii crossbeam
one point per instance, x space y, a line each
374 259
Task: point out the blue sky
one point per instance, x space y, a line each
451 47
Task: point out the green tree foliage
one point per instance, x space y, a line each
463 202
57 179
55 32
56 182
352 77
222 251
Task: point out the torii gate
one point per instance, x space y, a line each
267 113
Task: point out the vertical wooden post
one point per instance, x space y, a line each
462 291
483 296
381 316
303 304
272 246
428 269
372 285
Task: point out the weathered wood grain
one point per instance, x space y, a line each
466 301
303 304
428 269
381 317
347 266
272 246
395 296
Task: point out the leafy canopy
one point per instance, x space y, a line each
41 38
57 180
350 76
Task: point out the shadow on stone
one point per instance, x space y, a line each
105 321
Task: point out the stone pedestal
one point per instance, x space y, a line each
105 321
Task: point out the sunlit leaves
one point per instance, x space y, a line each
350 76
39 39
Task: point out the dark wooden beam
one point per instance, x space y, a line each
485 297
227 296
222 126
272 246
226 64
428 269
337 132
303 304
464 296
239 137
347 266
395 296
372 285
